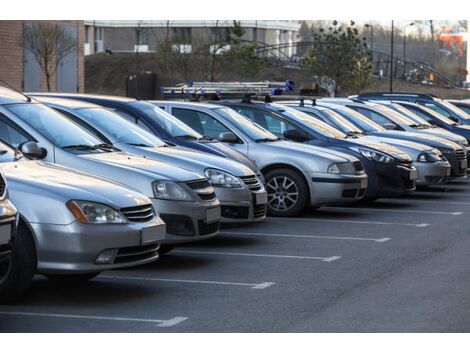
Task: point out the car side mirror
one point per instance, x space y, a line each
228 137
32 150
294 135
389 126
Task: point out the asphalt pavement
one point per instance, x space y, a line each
396 265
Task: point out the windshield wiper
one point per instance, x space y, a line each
206 138
140 145
80 146
266 140
187 137
106 146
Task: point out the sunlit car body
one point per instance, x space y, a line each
310 170
373 120
241 194
80 224
430 164
185 200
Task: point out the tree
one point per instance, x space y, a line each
339 59
49 44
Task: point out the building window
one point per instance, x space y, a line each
142 36
181 35
99 47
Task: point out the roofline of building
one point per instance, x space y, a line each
262 24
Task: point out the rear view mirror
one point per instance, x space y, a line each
32 150
228 137
294 135
389 126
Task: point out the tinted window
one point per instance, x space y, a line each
272 123
436 108
201 122
55 127
11 134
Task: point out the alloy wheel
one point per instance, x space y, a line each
283 193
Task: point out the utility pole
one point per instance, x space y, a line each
391 58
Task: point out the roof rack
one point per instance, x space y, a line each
387 94
227 90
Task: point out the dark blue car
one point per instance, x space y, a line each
158 122
390 172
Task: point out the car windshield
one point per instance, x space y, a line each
58 129
122 131
438 116
320 126
455 110
394 115
168 122
340 122
359 120
411 115
252 129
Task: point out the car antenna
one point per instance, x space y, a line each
302 102
314 101
16 90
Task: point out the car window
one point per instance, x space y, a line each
436 108
376 117
201 122
55 127
464 108
11 135
134 120
272 123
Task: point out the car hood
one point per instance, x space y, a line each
397 143
440 132
61 182
233 154
144 165
189 159
427 139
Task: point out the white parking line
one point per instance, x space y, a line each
160 323
259 286
359 208
323 259
349 221
383 239
434 201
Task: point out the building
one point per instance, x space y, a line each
185 36
20 68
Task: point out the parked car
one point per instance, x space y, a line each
461 104
185 200
296 175
440 106
161 124
430 164
15 256
241 194
390 171
73 225
374 120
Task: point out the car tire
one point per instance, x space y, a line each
71 278
165 248
286 185
21 268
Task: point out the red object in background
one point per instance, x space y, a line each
453 42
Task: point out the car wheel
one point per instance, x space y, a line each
165 248
16 274
287 192
71 278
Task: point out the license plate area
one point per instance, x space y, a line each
463 164
212 215
363 183
261 198
5 234
153 234
413 175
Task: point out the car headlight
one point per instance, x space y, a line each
170 191
376 155
428 157
219 178
94 213
341 168
446 152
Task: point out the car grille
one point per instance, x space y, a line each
252 182
460 154
141 213
2 187
203 189
134 254
206 229
358 166
259 211
410 185
234 212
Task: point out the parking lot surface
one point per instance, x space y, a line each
396 265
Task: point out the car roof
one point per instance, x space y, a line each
93 96
185 103
70 103
8 96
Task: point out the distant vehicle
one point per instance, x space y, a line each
429 162
296 175
440 106
161 124
241 193
15 254
185 200
461 104
376 120
73 225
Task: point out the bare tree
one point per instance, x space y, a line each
49 44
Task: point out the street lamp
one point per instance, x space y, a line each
404 39
371 27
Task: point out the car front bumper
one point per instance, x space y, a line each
7 227
432 173
241 205
188 221
76 247
330 189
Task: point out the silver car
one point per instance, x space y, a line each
185 200
14 278
77 224
241 193
296 175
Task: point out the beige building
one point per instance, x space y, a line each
20 68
